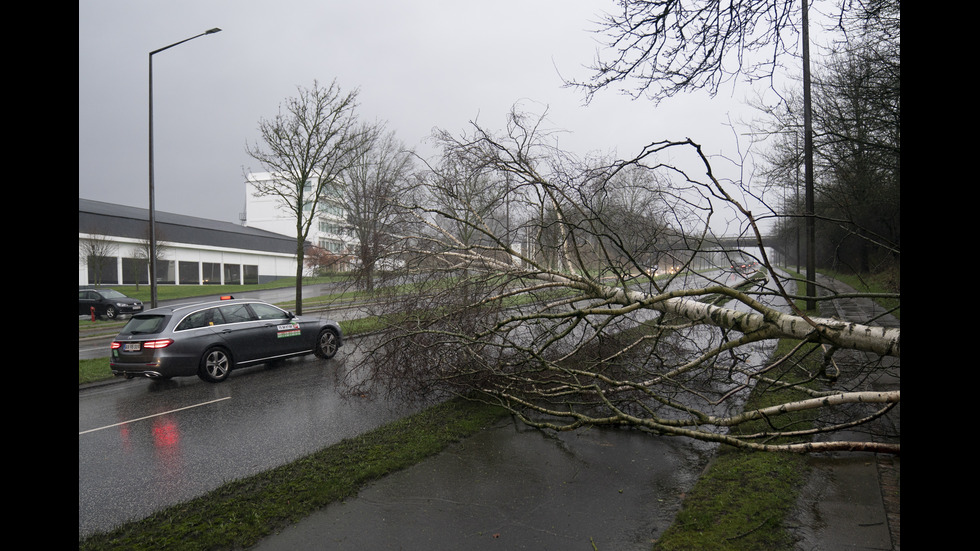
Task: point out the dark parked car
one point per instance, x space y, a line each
210 339
107 302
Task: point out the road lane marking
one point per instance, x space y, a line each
152 416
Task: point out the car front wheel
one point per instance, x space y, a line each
215 366
326 344
110 312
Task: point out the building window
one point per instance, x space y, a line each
102 270
332 245
210 273
165 272
328 226
251 274
190 273
233 274
135 271
331 209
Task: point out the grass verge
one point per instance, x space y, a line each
741 500
240 513
93 370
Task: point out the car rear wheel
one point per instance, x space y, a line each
326 344
215 366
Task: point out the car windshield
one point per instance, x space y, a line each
145 324
109 293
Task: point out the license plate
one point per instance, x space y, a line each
131 347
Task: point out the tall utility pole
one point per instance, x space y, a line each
811 257
796 195
153 230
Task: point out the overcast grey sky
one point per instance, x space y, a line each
419 65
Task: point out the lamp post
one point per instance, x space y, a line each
153 232
811 262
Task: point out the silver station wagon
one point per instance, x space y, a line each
211 339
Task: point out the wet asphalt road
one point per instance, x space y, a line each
145 445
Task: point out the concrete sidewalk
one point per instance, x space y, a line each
852 500
512 487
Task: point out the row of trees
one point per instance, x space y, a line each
320 151
98 252
537 276
857 151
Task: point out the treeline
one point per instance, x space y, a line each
856 106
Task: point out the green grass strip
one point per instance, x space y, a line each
742 499
739 504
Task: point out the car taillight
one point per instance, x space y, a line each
162 343
115 345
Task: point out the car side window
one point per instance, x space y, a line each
266 312
203 318
236 313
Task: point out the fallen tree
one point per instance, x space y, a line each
589 293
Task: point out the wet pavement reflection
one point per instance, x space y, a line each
145 445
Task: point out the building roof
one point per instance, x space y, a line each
97 217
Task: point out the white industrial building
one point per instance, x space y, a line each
194 251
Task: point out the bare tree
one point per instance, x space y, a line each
96 251
370 189
143 251
668 46
576 331
857 111
307 147
857 137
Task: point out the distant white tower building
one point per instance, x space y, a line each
328 230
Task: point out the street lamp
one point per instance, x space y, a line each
811 262
153 232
